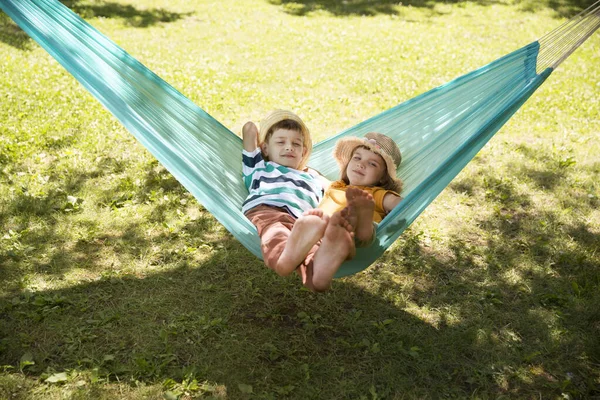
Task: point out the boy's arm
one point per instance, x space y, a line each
250 136
390 201
324 181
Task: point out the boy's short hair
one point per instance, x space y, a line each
288 124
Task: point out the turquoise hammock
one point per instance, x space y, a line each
439 131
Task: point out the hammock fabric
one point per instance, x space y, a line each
439 131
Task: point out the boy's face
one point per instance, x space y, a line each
365 168
285 147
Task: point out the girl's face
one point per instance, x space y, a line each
365 168
285 147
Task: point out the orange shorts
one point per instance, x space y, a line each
274 226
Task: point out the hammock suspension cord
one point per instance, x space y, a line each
558 44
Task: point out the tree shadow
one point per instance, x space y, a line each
563 8
137 17
224 321
197 319
510 313
228 320
357 7
28 247
12 35
479 316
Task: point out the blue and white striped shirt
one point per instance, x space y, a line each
275 185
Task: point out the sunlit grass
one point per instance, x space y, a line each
116 283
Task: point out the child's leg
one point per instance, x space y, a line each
307 231
336 247
274 226
362 205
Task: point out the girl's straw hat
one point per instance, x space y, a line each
276 116
377 143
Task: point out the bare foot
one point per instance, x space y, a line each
337 246
307 231
362 207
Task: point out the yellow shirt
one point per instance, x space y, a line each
335 199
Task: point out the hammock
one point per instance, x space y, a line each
439 131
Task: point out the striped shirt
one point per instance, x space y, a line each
275 185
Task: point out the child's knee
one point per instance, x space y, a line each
320 285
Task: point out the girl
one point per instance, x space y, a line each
368 185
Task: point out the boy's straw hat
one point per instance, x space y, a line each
276 116
377 143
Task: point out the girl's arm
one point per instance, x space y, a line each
250 136
390 201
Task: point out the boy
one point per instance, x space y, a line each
283 194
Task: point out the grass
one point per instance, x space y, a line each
116 283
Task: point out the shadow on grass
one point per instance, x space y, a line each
514 313
12 35
230 321
141 18
226 319
563 8
360 7
39 244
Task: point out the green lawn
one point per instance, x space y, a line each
116 284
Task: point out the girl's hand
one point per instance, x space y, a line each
390 201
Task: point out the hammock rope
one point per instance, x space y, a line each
560 43
439 131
